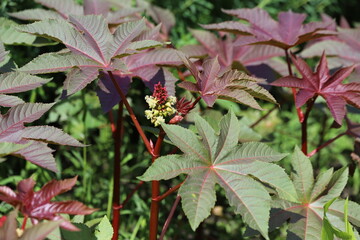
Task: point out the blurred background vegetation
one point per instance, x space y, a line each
80 115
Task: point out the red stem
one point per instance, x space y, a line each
24 223
169 218
298 110
168 192
263 117
132 114
325 144
117 136
304 142
129 196
155 191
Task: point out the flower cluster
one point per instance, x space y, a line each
160 104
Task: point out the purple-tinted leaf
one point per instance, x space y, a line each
123 15
285 34
163 16
353 128
313 84
65 7
15 118
96 7
51 135
229 26
70 207
65 33
7 195
109 99
15 82
54 188
123 35
37 205
55 62
232 85
40 154
77 79
3 53
10 101
36 14
96 32
150 34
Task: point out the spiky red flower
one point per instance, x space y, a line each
160 93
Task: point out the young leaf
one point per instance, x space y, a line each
305 213
37 205
219 159
232 85
286 33
313 84
228 52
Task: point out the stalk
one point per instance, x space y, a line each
169 218
304 142
298 110
312 153
132 114
155 191
117 136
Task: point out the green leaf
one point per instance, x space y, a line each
229 133
239 169
303 176
321 183
7 148
247 134
11 36
198 196
336 184
186 141
104 230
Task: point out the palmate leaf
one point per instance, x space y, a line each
233 85
286 33
220 159
38 205
93 48
228 52
12 130
321 83
10 35
305 214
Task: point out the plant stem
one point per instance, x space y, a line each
169 218
155 190
304 142
129 196
168 192
298 110
117 136
132 114
24 223
263 117
325 144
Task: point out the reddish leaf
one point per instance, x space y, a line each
321 83
37 205
212 83
286 33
